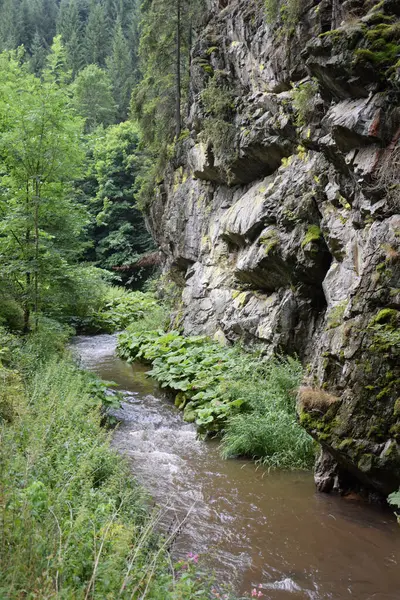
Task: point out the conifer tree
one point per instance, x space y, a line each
8 25
24 26
164 55
96 36
69 26
38 55
120 68
44 19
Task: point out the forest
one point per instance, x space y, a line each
199 204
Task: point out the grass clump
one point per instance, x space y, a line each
267 428
315 399
245 398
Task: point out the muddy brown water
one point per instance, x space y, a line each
253 527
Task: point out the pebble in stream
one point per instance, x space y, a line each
253 527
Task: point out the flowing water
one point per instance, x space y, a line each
251 526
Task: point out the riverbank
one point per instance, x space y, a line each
245 398
74 522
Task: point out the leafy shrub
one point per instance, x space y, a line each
271 10
248 399
192 367
120 308
218 100
11 313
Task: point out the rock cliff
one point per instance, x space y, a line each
279 214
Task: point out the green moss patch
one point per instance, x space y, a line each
313 235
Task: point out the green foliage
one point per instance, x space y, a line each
90 33
221 135
335 315
247 398
119 231
218 100
313 235
121 71
192 366
94 98
269 240
11 313
159 100
271 10
303 95
267 428
285 12
40 154
386 332
218 130
394 500
154 99
117 309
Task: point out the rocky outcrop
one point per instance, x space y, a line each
279 215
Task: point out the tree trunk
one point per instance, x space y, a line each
27 300
336 14
190 65
178 70
36 277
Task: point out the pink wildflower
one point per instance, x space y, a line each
193 557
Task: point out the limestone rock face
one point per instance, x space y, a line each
285 230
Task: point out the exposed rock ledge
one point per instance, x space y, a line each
291 239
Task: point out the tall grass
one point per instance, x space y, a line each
267 428
74 524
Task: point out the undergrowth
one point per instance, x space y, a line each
74 523
246 398
119 308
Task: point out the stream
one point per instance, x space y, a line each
250 525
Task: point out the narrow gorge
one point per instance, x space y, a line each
278 215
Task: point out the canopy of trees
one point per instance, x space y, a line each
101 33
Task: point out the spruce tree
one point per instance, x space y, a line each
8 25
69 26
120 68
96 38
164 54
38 55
